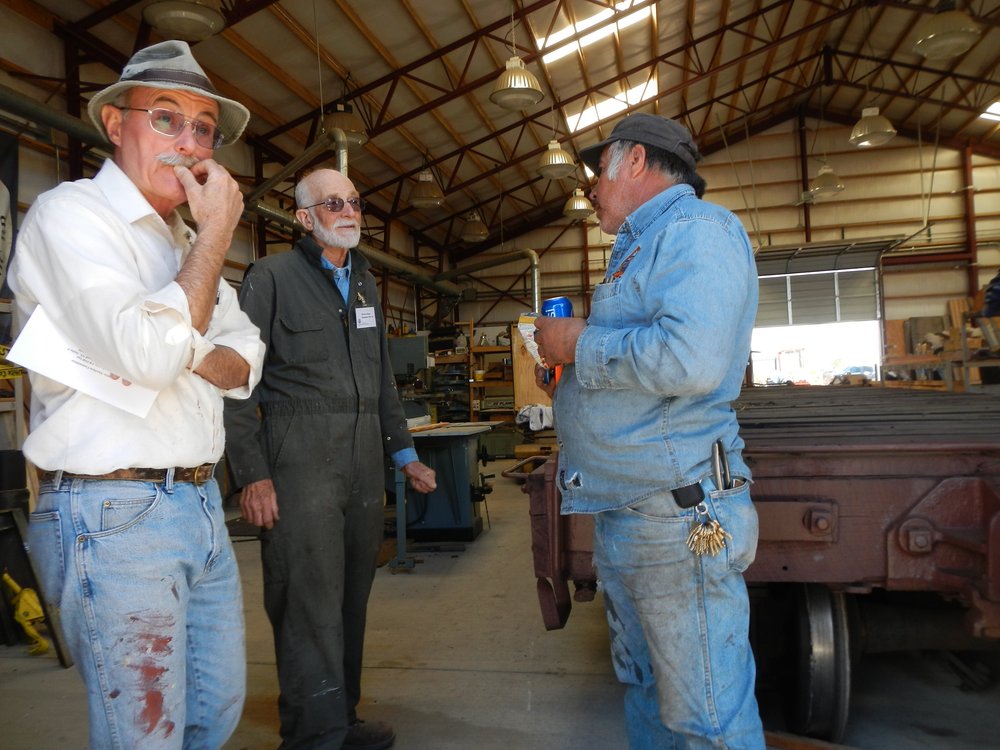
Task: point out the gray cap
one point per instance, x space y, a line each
649 130
170 65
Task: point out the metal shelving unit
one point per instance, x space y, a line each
494 396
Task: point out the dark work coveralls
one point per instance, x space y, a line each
328 412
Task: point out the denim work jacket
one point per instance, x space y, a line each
662 358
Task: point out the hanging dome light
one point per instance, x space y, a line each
474 230
946 33
872 129
578 206
426 193
555 162
187 20
826 183
517 87
344 117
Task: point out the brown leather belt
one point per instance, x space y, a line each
195 475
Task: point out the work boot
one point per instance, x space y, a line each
369 735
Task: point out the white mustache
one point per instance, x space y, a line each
173 159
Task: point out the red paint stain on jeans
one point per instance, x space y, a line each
151 695
151 645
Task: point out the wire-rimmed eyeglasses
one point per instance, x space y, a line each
336 205
171 124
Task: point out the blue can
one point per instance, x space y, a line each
557 307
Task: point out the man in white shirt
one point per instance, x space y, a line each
128 532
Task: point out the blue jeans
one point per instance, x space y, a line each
679 623
144 577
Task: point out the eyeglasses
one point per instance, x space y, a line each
171 124
336 205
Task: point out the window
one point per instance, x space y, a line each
819 297
812 327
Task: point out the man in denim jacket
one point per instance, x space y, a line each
642 406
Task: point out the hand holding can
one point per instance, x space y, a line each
556 307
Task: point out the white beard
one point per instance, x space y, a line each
344 237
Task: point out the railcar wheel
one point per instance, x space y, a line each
822 688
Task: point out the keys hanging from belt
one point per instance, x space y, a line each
707 535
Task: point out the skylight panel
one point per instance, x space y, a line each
992 112
604 20
610 107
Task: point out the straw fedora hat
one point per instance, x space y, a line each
170 65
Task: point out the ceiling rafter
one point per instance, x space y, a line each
797 52
309 41
612 82
477 106
711 139
392 79
715 57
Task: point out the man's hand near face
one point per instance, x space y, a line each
216 205
213 197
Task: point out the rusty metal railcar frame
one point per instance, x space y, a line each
901 517
879 530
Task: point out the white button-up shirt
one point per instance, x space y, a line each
101 262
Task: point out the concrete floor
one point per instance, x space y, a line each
457 657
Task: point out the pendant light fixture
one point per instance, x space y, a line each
872 129
344 117
826 184
578 206
946 33
555 162
516 88
426 193
474 230
187 20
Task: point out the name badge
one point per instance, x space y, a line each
364 317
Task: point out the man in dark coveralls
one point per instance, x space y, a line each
310 443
